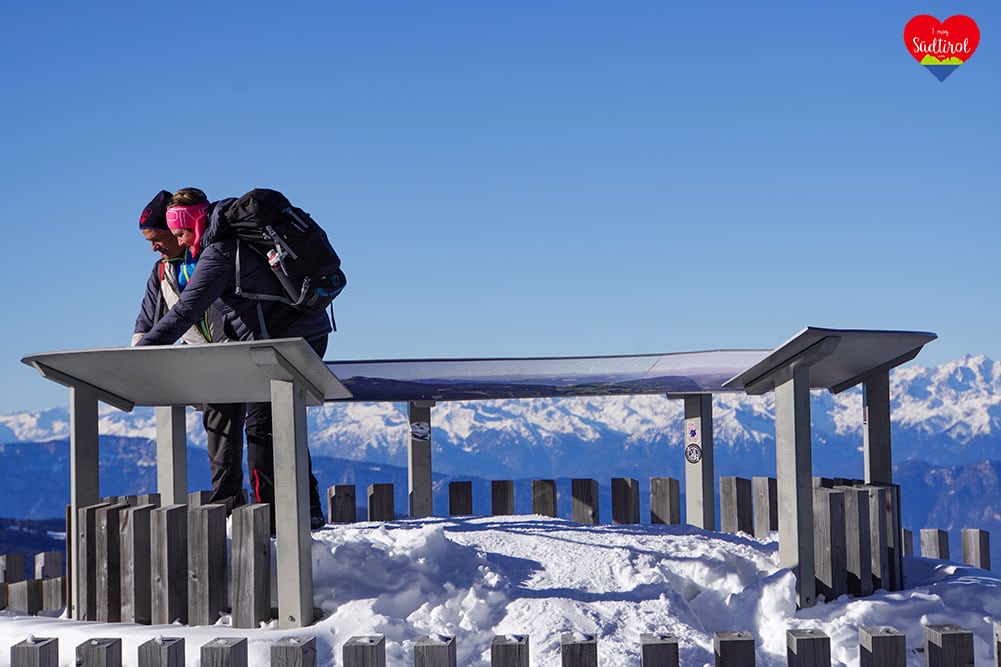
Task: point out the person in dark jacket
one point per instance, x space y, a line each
197 224
223 422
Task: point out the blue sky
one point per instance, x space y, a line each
518 178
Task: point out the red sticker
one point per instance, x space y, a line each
941 46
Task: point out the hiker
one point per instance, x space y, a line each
223 422
197 224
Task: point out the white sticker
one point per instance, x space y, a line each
693 434
693 453
420 430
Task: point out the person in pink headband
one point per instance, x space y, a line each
188 223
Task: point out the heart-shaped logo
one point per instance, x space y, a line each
941 46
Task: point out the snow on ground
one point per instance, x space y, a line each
530 575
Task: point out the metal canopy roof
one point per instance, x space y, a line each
838 358
191 374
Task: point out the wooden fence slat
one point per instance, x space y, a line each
136 564
87 561
436 651
808 648
625 501
225 651
169 529
25 596
857 541
733 649
341 504
544 497
879 551
766 505
100 652
53 593
11 568
207 581
162 652
977 548
578 650
665 501
294 652
460 498
381 505
108 555
735 505
882 646
35 652
502 497
948 646
48 564
367 651
509 651
908 543
934 543
830 551
658 650
584 501
250 586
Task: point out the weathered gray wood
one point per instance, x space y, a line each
108 556
341 504
169 528
808 648
294 652
894 533
225 652
857 540
3 595
69 551
876 448
625 501
419 481
25 596
136 564
908 543
53 593
35 652
509 651
665 500
830 560
658 650
934 543
544 497
578 650
199 498
881 646
100 652
368 651
736 505
766 505
86 603
733 649
207 581
11 568
584 501
153 499
381 505
162 652
49 564
948 646
460 498
501 497
250 586
977 548
878 551
434 651
824 482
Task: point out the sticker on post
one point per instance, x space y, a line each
420 430
693 433
693 453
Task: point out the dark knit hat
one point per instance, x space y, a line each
154 216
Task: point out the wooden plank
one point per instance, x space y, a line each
766 505
434 651
162 652
830 552
736 505
509 651
857 540
25 596
934 543
948 646
625 501
544 497
294 652
879 564
225 652
882 646
48 564
250 586
341 504
136 564
35 652
665 501
584 501
807 648
100 652
733 649
658 650
460 498
578 650
207 581
367 651
108 557
169 529
53 593
11 568
501 497
977 548
381 504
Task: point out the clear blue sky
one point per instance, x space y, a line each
514 178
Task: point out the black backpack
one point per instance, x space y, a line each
294 246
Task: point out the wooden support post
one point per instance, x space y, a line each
625 501
830 560
977 548
100 652
53 593
766 506
700 483
11 568
35 652
434 651
207 582
294 652
369 651
858 540
658 650
501 497
84 475
794 462
48 564
934 543
341 504
136 564
665 501
169 537
948 646
544 497
736 513
881 646
584 501
577 650
509 651
25 596
733 649
381 505
808 648
876 429
908 543
419 459
171 455
460 498
108 556
250 586
225 652
162 652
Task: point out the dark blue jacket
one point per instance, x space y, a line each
215 278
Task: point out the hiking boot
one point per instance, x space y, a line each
317 522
